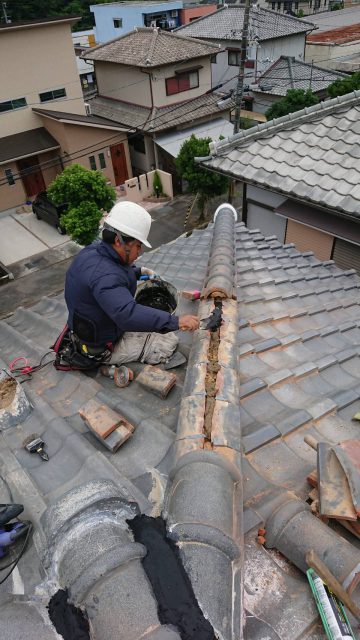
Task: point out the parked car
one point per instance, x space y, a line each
46 210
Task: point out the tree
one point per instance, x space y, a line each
87 195
204 183
294 100
347 85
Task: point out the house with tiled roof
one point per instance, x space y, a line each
271 35
301 176
44 125
288 73
164 538
155 82
337 48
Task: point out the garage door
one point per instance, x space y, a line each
308 239
346 255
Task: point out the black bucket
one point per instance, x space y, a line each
157 294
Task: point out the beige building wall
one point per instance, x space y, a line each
159 76
330 56
10 195
308 239
74 138
123 83
35 60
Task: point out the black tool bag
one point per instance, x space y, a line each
73 355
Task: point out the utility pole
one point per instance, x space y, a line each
239 92
243 51
7 20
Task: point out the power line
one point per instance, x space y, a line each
79 152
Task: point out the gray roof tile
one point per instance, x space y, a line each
278 154
283 395
227 24
148 48
289 73
158 118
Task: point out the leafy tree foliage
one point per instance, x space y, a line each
341 87
294 100
205 183
32 9
87 196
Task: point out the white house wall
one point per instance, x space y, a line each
267 52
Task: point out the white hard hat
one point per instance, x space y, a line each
130 219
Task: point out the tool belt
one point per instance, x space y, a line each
72 354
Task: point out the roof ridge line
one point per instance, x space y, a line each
306 64
274 125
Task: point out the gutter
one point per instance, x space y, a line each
203 502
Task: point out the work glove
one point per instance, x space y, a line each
148 272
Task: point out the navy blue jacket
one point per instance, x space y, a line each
100 287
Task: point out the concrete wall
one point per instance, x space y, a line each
264 56
132 15
137 189
330 56
188 14
123 83
34 61
159 76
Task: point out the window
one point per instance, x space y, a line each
101 161
279 6
92 163
9 105
117 23
46 96
273 6
182 82
213 58
138 143
234 57
9 176
297 5
250 64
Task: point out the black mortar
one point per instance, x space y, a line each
171 585
68 621
156 294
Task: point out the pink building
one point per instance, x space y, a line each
188 14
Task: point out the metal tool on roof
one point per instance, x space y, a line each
121 375
35 444
213 322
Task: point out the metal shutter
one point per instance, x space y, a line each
346 255
308 239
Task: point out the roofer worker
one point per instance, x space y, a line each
99 292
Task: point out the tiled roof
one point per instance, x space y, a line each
297 325
289 73
312 155
333 19
27 143
76 118
227 24
336 36
148 47
157 119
